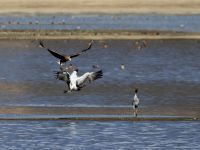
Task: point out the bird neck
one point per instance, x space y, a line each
74 73
135 95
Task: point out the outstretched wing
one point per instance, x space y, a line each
89 76
54 53
84 50
75 55
89 47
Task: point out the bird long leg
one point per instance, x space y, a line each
68 86
133 110
136 112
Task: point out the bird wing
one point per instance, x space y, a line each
89 47
64 76
84 50
75 55
54 53
89 76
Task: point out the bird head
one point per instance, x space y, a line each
76 69
136 90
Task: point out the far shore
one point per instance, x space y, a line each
99 6
95 34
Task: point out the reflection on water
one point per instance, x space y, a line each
59 135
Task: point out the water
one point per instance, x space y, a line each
59 135
166 72
186 23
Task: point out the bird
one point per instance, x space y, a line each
122 66
75 82
135 103
64 76
64 58
95 66
64 73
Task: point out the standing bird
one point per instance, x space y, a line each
64 58
135 103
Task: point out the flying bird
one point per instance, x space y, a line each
135 103
64 58
75 82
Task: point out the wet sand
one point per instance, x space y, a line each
115 111
103 6
97 114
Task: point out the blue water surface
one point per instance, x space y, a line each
86 135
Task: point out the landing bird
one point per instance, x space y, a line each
135 103
64 58
75 82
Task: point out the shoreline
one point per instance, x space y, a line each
96 112
138 119
95 34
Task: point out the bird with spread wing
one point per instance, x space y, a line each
75 82
62 57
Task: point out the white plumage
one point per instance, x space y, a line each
136 100
77 82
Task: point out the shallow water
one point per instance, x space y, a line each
59 135
186 23
166 72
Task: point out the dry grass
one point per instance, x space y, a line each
100 6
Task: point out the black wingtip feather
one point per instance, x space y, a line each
98 74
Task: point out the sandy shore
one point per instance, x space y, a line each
95 34
103 6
